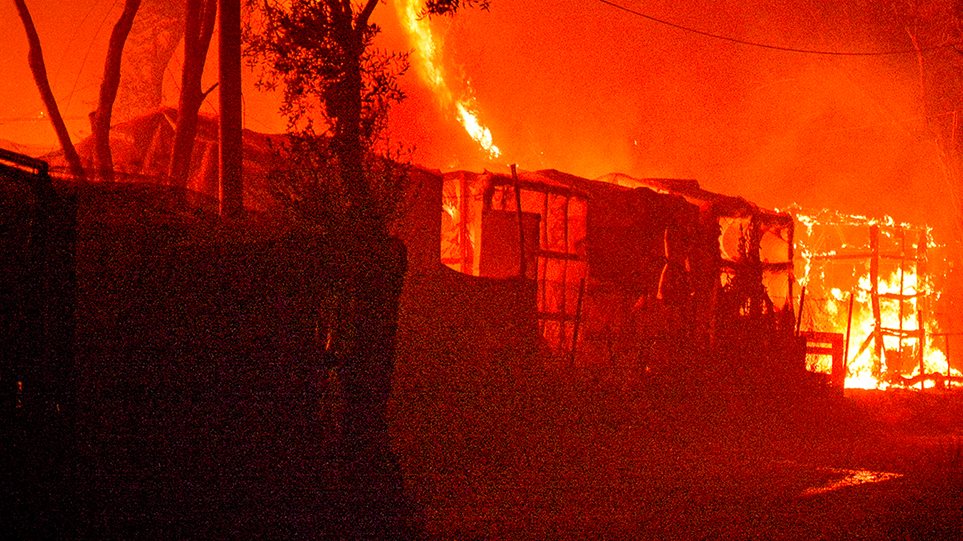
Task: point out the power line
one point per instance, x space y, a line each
766 45
70 97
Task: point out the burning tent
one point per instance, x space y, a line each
874 285
745 291
630 272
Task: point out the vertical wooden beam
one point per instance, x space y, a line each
921 303
791 253
849 330
565 263
949 370
229 91
874 296
542 262
464 237
522 264
838 371
902 288
755 263
578 320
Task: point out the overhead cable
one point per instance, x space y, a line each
768 45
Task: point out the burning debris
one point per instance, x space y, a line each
875 284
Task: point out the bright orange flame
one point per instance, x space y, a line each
831 316
432 71
860 368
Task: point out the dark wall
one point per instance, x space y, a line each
195 357
466 346
36 364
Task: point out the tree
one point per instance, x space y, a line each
153 40
39 70
344 178
198 29
100 119
931 25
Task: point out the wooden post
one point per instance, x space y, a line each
229 91
849 329
922 342
921 304
874 295
578 320
946 337
464 237
839 369
802 303
790 252
522 264
902 285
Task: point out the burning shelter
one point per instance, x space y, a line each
629 273
872 286
745 291
620 265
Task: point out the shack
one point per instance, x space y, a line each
617 269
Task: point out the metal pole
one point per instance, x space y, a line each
229 91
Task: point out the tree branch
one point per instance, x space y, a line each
365 14
103 160
208 91
39 69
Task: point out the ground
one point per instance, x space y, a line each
581 461
190 418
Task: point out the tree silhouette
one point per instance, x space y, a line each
39 70
198 29
343 176
100 119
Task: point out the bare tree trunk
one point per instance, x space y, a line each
157 31
100 119
199 27
35 59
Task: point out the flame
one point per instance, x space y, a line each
433 73
860 367
830 313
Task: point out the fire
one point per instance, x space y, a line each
432 71
860 372
836 276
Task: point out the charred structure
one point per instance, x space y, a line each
877 285
631 276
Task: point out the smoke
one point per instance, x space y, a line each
585 88
580 86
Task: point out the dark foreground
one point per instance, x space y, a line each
590 462
562 457
182 406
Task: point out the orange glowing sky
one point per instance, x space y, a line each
579 86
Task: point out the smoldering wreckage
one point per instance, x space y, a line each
627 279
